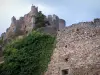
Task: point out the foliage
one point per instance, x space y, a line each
28 56
40 20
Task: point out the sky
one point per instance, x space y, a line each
72 11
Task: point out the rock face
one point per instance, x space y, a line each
77 50
26 24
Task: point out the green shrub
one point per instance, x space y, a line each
28 56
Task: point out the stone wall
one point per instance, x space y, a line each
77 51
48 30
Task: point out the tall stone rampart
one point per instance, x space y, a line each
77 50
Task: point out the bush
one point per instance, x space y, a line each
28 56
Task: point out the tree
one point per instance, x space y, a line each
40 20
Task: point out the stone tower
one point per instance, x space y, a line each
56 22
13 20
62 24
33 14
34 10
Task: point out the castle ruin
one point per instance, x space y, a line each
77 50
27 23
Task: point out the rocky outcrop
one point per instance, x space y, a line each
77 50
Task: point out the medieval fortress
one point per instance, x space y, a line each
77 49
26 24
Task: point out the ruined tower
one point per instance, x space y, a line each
56 22
13 20
62 24
34 10
33 14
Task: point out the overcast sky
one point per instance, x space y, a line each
73 11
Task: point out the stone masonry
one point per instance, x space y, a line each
77 50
